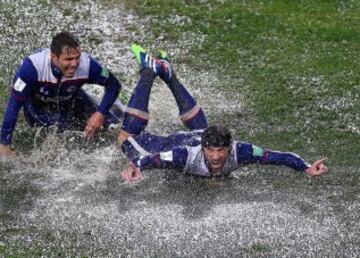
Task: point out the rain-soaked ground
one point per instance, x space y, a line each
63 197
63 200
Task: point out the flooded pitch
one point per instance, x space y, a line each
76 204
63 197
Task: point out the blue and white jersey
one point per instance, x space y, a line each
149 151
40 87
52 87
196 162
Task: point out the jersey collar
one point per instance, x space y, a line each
56 71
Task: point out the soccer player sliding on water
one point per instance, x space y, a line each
207 151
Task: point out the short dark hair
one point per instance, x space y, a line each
216 136
61 40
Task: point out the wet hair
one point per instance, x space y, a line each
63 40
216 136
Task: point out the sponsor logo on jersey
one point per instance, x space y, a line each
105 72
168 156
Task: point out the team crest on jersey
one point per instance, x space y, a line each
19 85
71 89
44 90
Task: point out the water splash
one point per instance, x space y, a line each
66 194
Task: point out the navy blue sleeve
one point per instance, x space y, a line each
249 153
24 80
10 119
102 76
174 159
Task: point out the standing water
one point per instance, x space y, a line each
62 196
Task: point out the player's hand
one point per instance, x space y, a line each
6 150
94 125
132 174
317 168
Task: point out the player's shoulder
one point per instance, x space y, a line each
39 53
39 59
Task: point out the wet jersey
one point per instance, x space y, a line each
41 88
182 151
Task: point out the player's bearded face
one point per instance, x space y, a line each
68 61
216 157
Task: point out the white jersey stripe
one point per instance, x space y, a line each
137 147
137 112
